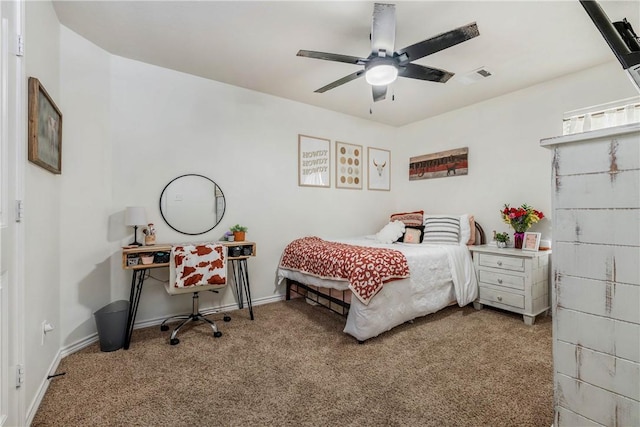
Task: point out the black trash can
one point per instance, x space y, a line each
111 322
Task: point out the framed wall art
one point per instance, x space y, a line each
314 161
348 165
45 129
378 169
438 165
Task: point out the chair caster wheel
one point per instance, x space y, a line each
174 341
227 318
217 334
164 328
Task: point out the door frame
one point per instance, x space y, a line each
13 112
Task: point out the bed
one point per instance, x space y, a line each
439 275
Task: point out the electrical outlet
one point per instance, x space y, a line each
46 327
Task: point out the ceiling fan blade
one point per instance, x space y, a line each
332 57
415 71
345 79
379 93
440 42
383 28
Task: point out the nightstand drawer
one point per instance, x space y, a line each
502 297
501 279
505 262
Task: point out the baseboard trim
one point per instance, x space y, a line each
79 345
209 310
87 341
44 385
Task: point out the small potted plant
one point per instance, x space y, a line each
502 239
228 236
238 232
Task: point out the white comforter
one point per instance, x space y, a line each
440 275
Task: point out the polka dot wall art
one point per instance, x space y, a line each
348 165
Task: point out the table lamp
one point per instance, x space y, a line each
135 216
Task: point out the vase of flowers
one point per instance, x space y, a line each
520 219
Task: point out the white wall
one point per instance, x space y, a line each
42 209
506 162
86 193
131 127
162 124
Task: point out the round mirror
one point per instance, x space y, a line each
192 204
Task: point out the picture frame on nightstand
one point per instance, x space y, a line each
531 241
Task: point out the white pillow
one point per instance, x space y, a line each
390 232
465 229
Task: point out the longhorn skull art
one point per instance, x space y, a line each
379 167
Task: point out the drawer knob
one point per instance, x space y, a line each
499 262
499 298
500 281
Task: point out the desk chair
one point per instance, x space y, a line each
194 269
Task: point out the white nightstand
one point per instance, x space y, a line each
512 279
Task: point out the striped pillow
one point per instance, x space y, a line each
413 219
442 229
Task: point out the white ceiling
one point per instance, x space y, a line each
254 44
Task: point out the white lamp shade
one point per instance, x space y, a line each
381 75
135 215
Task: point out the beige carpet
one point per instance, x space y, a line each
293 365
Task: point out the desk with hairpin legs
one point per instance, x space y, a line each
237 255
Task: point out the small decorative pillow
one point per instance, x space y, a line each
413 235
416 234
390 232
472 230
442 230
409 218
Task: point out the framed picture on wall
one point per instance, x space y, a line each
314 161
437 165
45 129
531 241
348 165
378 169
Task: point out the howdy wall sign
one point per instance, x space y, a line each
314 161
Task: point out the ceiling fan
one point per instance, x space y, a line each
384 64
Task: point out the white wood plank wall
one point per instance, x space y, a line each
596 277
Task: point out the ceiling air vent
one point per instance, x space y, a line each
474 76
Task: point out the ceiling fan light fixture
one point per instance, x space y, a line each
381 75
